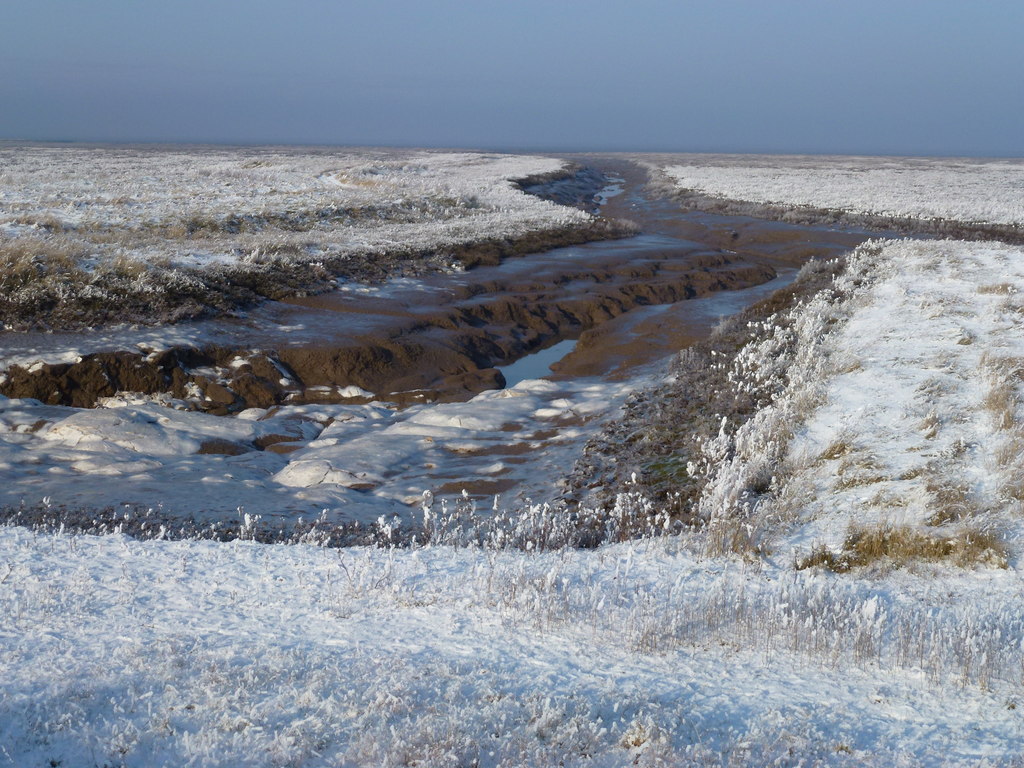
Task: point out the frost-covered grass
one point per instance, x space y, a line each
881 190
901 409
86 233
121 652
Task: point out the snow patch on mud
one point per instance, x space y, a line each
354 461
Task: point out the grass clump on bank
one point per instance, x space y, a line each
899 546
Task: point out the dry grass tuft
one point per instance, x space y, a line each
837 449
859 470
1010 457
46 222
1011 453
26 261
1000 401
901 545
948 502
1000 289
930 425
966 338
911 474
934 387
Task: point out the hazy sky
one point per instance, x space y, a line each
862 76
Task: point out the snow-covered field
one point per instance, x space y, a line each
855 597
168 232
344 198
119 652
969 191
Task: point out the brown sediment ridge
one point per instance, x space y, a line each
445 352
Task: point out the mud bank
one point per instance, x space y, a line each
645 449
832 217
171 295
398 346
579 187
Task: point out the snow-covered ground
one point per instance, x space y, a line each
99 235
764 638
141 202
927 400
902 409
352 463
121 652
971 191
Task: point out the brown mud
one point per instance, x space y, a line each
806 215
440 337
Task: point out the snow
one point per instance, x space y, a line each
136 189
112 220
356 462
973 191
938 329
145 653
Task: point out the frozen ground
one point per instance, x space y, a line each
969 191
353 463
767 637
119 652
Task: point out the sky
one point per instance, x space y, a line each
864 77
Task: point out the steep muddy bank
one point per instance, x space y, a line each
579 187
413 343
645 449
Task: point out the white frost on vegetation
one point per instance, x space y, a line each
924 423
970 191
172 653
140 203
898 404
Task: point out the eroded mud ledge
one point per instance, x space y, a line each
438 352
803 215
